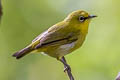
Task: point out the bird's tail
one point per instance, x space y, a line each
22 52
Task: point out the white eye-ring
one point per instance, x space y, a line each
81 18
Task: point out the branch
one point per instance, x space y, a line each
1 9
118 76
67 68
70 74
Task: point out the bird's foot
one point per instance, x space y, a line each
67 68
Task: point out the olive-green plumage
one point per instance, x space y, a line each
62 38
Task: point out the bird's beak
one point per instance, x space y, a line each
91 16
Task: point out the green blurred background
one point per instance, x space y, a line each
23 20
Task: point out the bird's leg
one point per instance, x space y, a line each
67 68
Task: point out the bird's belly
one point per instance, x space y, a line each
68 48
65 49
59 51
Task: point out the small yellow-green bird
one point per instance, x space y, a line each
61 38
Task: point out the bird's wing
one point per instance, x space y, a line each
39 36
56 36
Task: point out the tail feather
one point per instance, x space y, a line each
22 52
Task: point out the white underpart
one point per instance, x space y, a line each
68 46
43 53
64 49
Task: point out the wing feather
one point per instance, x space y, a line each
61 35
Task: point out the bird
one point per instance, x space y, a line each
62 38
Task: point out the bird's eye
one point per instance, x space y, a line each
81 18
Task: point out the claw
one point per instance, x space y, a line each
67 68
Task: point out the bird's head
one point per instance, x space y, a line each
79 19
